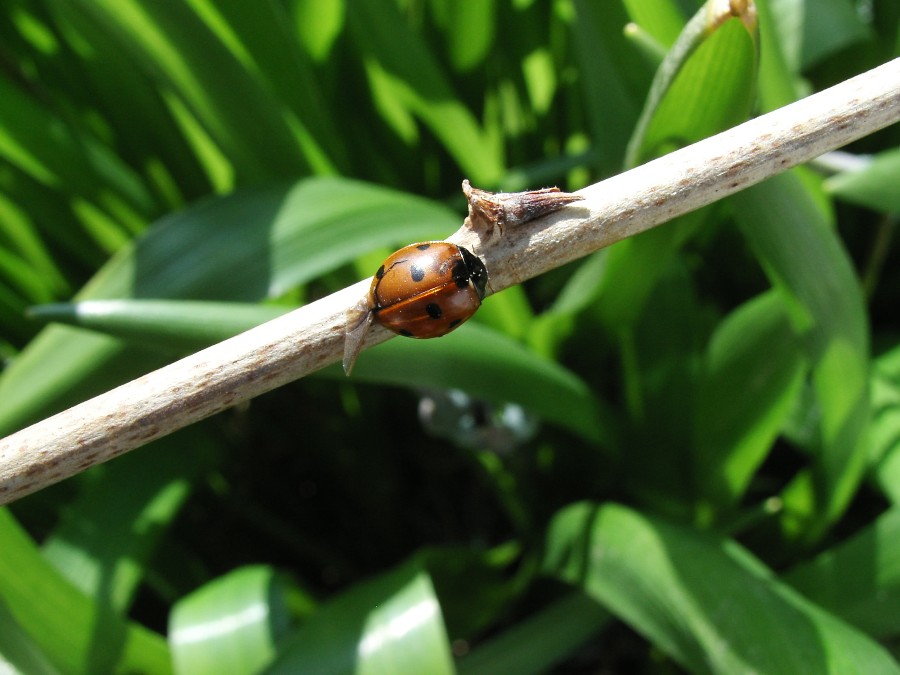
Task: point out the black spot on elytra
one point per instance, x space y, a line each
434 310
423 247
455 323
405 333
417 273
380 272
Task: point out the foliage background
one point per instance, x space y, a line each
679 454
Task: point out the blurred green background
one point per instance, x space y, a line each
680 454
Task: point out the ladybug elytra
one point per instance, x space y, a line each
423 290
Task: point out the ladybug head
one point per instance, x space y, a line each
478 275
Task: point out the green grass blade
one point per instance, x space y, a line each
858 580
105 551
806 262
884 432
69 160
753 370
72 630
412 79
705 602
18 652
258 34
611 94
172 41
874 187
534 645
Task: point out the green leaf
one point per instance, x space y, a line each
811 30
610 92
706 84
259 36
174 43
18 652
410 82
705 602
232 624
884 432
753 371
73 631
538 642
488 365
390 624
170 326
67 159
105 551
859 580
470 32
808 265
662 19
874 186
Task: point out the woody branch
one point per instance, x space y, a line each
312 337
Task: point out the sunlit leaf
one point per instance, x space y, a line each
705 602
232 624
390 624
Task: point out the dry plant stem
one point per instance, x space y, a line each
312 337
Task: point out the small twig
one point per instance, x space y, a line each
312 337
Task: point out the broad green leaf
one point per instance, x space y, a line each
232 624
807 264
72 630
874 187
706 602
390 624
858 580
707 83
256 243
753 370
547 332
488 365
634 267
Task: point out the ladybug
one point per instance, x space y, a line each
423 290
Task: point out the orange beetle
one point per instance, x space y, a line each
423 291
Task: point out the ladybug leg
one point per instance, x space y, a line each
496 209
359 320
